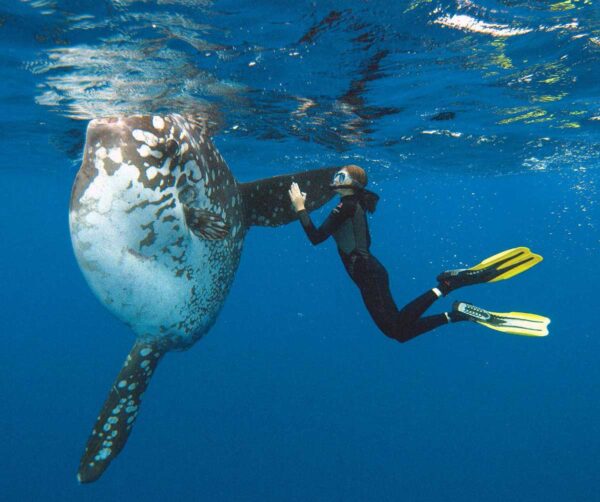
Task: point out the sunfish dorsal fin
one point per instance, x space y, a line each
267 204
119 411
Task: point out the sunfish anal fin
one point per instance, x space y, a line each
205 224
119 411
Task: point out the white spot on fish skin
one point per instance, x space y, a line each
184 148
132 386
145 352
112 420
122 384
158 123
114 434
104 453
106 427
138 134
151 172
101 153
144 363
131 409
131 419
145 136
144 150
115 155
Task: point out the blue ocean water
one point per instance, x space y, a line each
478 124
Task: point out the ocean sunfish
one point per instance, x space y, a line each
158 223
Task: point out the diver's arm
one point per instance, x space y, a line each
329 226
315 235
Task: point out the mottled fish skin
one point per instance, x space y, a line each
157 224
128 227
119 412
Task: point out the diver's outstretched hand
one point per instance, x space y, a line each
297 197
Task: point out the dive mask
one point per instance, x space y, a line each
342 179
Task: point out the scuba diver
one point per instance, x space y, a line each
348 225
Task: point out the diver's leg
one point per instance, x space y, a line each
405 332
373 282
379 293
415 309
402 325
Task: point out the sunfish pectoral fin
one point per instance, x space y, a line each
205 224
118 414
267 203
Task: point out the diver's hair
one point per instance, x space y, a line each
367 198
357 173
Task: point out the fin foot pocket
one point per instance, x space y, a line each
514 323
501 266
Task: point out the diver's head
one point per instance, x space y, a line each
348 179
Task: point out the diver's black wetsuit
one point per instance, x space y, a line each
348 225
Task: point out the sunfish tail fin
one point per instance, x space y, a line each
118 414
267 203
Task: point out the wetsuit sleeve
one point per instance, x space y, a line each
317 235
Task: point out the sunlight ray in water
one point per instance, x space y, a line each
149 147
323 75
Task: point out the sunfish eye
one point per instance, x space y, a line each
171 147
187 195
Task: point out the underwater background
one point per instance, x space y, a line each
479 126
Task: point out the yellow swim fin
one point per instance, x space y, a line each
501 266
514 323
508 263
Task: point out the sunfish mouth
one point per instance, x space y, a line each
108 131
106 122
